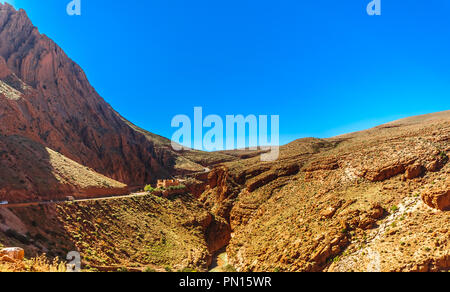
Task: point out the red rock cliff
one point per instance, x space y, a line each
46 97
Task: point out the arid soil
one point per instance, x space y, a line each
26 165
146 232
376 200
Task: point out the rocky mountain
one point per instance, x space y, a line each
46 98
376 200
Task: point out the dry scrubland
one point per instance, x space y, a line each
376 200
146 233
349 203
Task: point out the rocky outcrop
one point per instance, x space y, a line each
384 173
414 171
348 205
438 196
430 265
327 249
271 175
12 254
218 234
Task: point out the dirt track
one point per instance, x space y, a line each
28 204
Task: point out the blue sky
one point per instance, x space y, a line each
325 67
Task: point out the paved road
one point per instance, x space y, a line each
28 204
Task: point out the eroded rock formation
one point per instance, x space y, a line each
45 97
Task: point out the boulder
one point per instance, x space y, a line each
14 253
7 259
414 171
366 223
434 166
376 212
438 197
328 213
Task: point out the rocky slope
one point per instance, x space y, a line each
376 200
372 200
134 233
49 174
45 97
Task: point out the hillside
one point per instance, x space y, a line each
375 200
372 200
30 171
46 98
132 232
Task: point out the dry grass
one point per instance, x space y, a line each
69 172
38 265
141 232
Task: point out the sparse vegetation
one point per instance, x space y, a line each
152 226
444 157
179 187
149 189
39 264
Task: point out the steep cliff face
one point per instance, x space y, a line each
52 102
46 97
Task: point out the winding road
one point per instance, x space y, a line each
28 204
40 203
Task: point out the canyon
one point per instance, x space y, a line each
375 200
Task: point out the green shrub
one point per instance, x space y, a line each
444 157
149 270
180 187
149 189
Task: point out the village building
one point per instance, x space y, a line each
166 183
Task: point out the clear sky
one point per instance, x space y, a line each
325 67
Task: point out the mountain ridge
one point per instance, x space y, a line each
46 97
